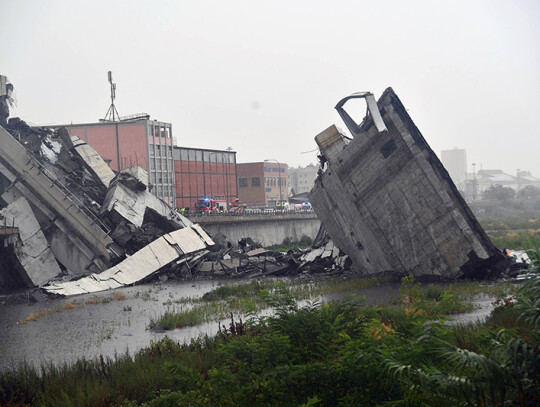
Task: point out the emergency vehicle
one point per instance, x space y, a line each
237 206
208 205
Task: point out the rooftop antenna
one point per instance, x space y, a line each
112 114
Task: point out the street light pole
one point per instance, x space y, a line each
279 178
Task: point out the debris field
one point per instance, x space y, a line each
70 225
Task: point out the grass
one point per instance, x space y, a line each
252 298
288 244
514 240
245 299
65 306
71 305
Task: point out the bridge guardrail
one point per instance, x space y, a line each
250 212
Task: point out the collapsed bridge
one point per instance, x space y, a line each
386 200
71 216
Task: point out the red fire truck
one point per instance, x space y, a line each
211 205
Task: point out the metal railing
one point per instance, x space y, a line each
250 212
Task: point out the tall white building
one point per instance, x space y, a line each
301 179
455 162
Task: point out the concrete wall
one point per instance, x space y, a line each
268 230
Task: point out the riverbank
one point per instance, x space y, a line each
113 322
340 353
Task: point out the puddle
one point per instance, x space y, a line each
97 329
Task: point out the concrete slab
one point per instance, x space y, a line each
186 242
137 172
35 256
132 205
98 166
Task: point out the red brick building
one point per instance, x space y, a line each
262 184
201 173
140 141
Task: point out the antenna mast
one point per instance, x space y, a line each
112 114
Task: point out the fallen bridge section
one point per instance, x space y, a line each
52 194
33 253
387 201
184 244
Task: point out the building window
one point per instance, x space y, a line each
243 182
255 182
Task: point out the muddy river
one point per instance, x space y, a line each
64 330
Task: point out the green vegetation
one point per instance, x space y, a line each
339 354
288 244
499 193
66 306
249 299
517 214
520 240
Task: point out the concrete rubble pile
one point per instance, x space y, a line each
75 217
250 260
386 200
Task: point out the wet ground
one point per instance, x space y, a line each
116 321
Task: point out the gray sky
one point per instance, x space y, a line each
264 77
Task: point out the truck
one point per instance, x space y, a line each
210 205
237 206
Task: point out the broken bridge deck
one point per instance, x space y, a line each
387 201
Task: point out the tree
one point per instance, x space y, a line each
499 193
529 191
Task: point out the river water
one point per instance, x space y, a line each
100 324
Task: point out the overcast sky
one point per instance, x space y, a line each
264 77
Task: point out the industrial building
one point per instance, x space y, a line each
262 184
138 141
482 180
203 173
